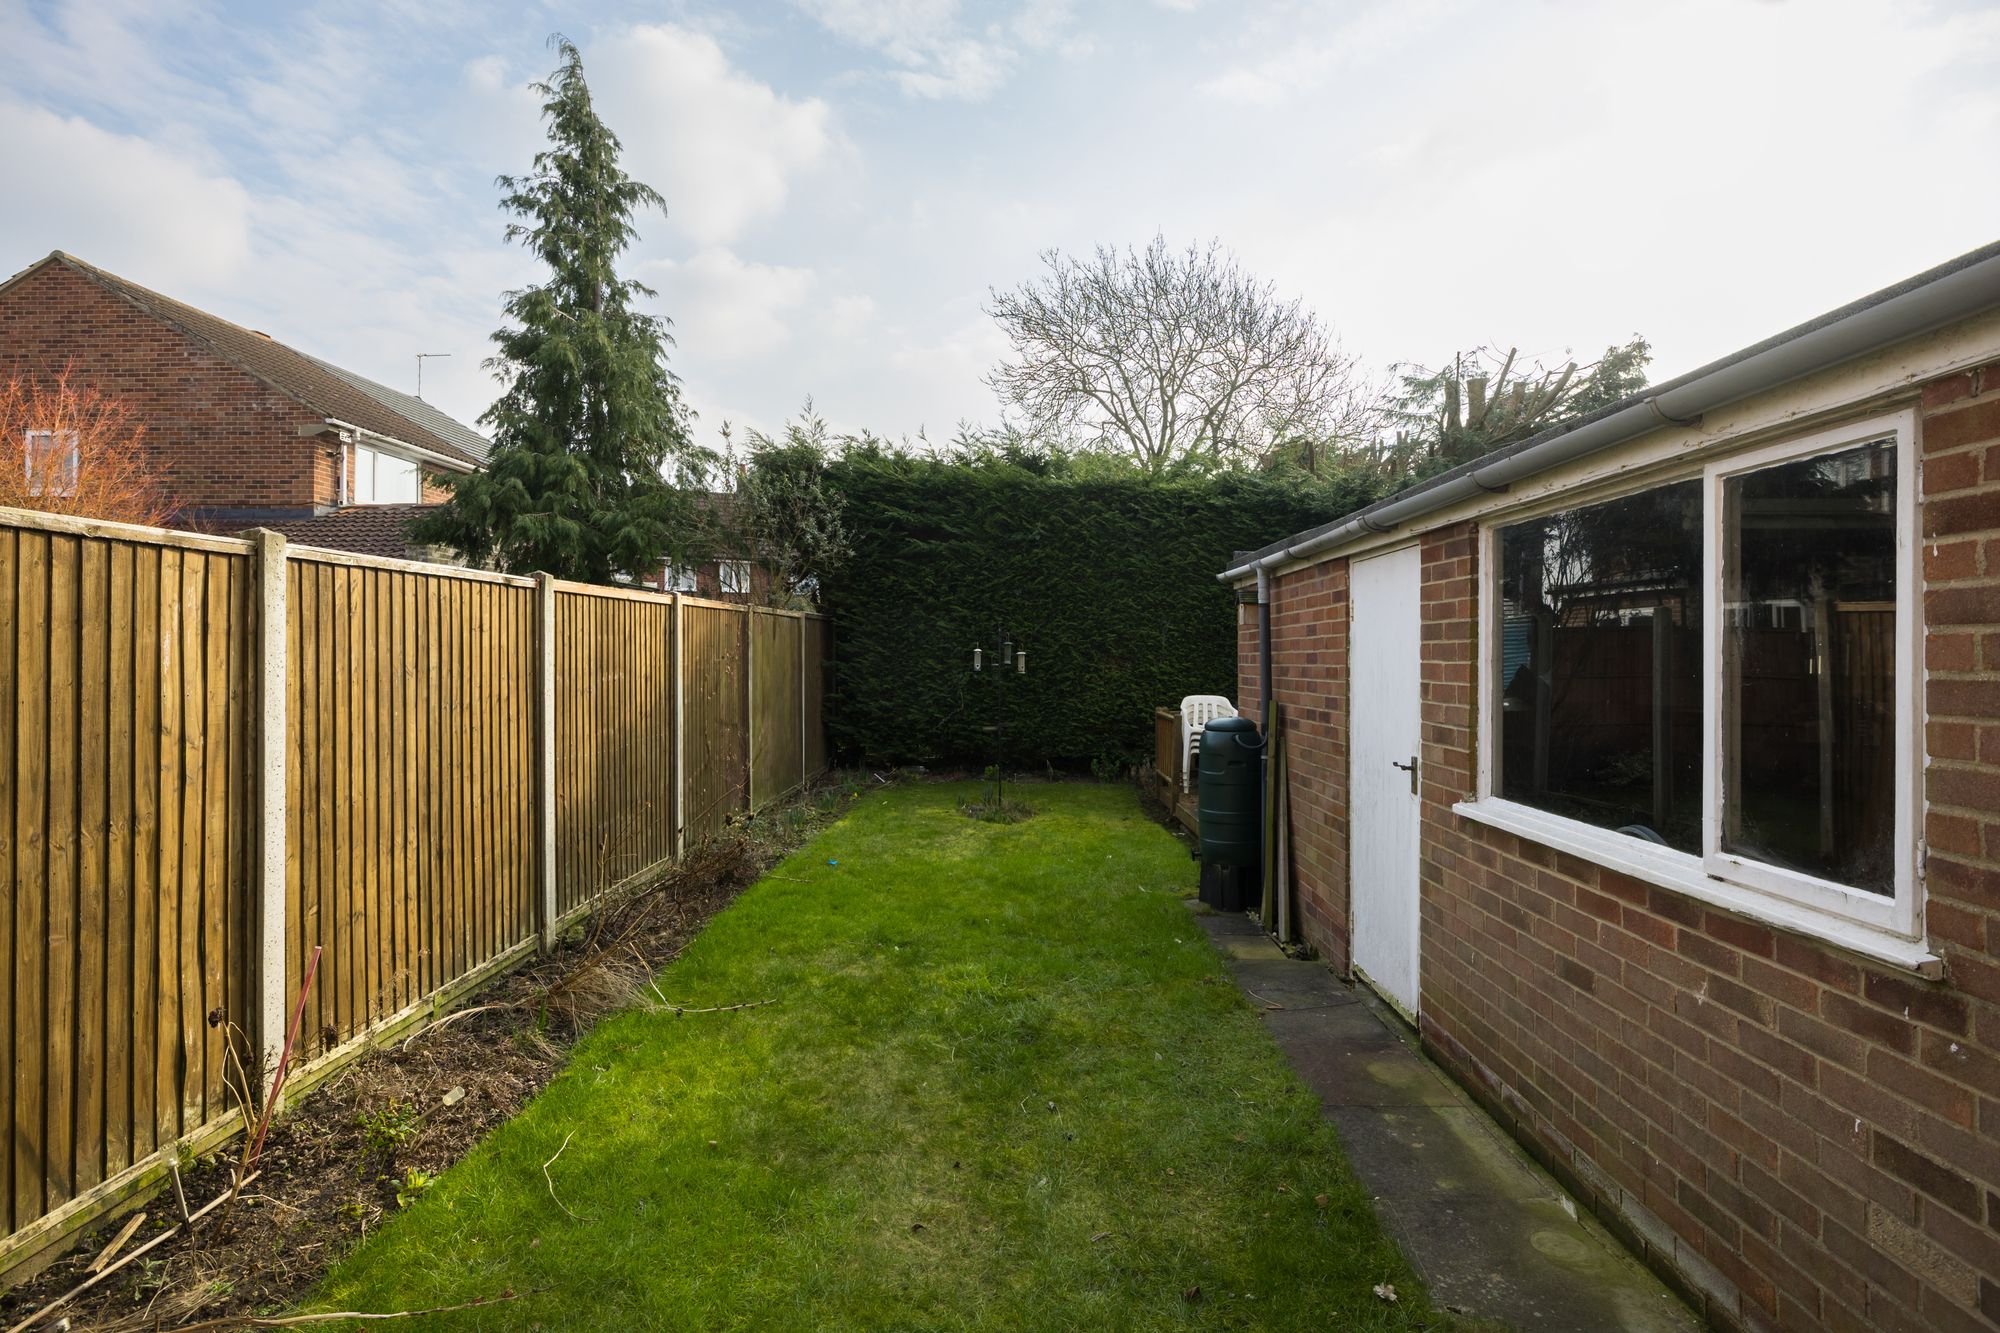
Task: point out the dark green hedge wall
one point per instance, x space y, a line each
1108 582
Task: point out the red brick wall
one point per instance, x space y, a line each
1248 686
1309 678
220 436
1808 1140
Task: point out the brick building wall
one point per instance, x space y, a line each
1806 1139
220 437
1309 678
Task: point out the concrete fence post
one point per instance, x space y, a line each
272 928
545 758
677 839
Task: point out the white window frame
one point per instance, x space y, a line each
1891 930
1902 915
72 462
680 578
732 577
375 456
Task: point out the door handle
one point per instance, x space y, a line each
1411 769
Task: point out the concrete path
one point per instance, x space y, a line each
1492 1234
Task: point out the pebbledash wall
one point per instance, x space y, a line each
1801 1136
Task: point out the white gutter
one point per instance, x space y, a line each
402 448
1959 289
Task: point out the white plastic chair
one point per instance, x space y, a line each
1197 711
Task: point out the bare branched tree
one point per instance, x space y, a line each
1176 357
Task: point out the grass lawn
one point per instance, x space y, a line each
1006 1085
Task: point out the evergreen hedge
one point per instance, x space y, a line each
1105 578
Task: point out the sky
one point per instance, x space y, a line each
847 180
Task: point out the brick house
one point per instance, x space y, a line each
246 431
249 432
1651 767
731 573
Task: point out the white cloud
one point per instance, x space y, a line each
722 147
116 200
937 54
1711 193
726 308
1300 61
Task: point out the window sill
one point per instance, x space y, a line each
1683 874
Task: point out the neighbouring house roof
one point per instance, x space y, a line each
322 387
361 529
1952 291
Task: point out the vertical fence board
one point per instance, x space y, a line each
60 960
119 760
93 622
145 847
12 1020
30 877
210 937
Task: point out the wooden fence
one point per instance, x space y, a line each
217 754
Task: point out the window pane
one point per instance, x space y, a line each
1809 632
1600 673
362 490
52 462
395 480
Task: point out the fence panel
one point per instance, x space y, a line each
124 770
410 847
132 671
614 739
818 656
714 759
776 759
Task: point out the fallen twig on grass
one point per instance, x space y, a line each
109 1269
551 1179
679 1009
296 1320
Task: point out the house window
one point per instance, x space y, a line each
1809 666
52 461
1712 680
735 577
382 479
682 578
1600 691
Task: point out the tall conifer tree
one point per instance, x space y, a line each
590 418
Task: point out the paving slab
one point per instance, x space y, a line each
1493 1235
1278 983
